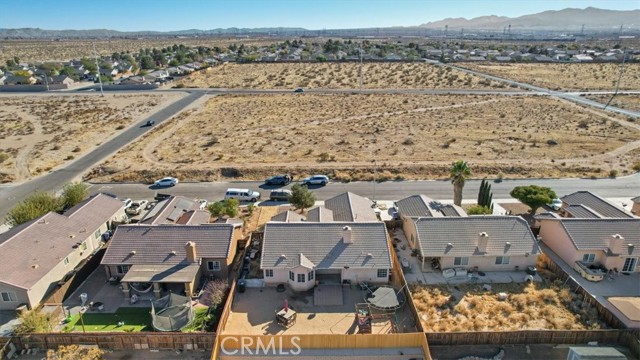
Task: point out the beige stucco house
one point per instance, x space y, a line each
411 208
485 243
170 256
36 255
607 243
635 207
303 254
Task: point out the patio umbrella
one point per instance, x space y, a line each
286 305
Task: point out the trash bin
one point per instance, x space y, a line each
242 286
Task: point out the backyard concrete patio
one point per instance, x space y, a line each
253 312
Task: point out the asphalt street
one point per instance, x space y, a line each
11 195
628 186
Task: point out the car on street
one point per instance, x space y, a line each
168 181
298 90
280 195
242 195
556 204
316 180
127 202
278 180
150 123
136 207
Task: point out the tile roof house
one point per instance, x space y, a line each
302 254
592 204
319 214
36 255
165 255
176 210
413 207
351 207
288 216
613 243
635 208
488 243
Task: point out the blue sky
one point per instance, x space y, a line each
166 15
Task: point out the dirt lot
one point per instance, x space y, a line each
409 136
630 102
565 76
335 76
527 307
39 133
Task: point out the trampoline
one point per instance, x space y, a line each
171 313
386 298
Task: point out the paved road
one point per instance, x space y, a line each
11 195
628 186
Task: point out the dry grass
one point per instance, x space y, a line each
335 76
41 132
528 307
565 76
630 102
410 136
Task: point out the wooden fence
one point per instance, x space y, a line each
119 340
232 342
65 289
605 314
614 336
401 281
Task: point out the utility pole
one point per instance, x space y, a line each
46 81
95 54
360 69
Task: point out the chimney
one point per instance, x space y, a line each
346 235
190 249
615 244
483 239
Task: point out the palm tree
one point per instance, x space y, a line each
458 173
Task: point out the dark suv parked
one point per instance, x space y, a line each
278 180
280 195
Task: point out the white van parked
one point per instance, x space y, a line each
242 195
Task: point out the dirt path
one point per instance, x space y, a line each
23 157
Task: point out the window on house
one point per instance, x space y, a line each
123 269
268 273
97 234
300 277
310 275
461 261
588 258
9 296
213 265
291 276
83 246
66 261
502 260
382 273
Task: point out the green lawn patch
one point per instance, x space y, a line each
135 319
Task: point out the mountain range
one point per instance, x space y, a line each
569 19
566 19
